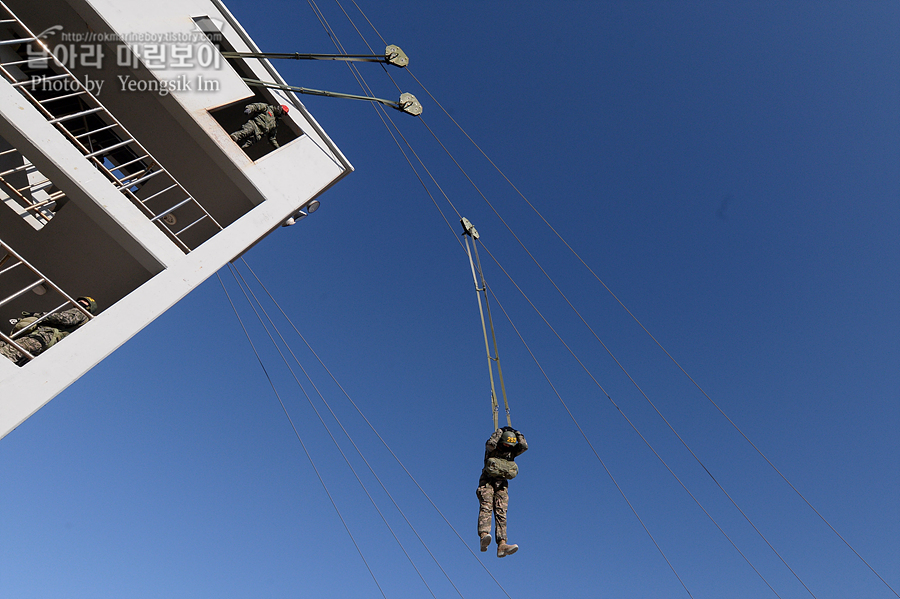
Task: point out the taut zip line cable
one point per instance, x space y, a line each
365 86
653 405
322 421
299 438
484 288
669 355
772 465
361 80
580 259
677 364
597 455
380 438
636 515
382 114
493 393
702 465
533 357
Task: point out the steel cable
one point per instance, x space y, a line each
661 347
580 259
327 429
373 429
299 438
579 315
533 357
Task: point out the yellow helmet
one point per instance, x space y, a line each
91 304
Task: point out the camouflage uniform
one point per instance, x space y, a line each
492 493
49 331
265 121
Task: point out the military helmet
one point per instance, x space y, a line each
91 303
509 438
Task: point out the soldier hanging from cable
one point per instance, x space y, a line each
500 451
264 122
48 332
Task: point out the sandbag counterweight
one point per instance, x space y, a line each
481 289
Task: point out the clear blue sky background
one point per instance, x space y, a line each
731 170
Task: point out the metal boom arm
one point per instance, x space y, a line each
407 102
392 55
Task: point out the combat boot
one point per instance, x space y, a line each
503 549
485 542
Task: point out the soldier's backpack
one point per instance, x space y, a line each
500 468
27 319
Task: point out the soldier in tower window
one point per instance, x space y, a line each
47 330
264 122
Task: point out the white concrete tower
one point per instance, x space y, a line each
118 175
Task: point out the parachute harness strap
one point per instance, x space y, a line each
481 289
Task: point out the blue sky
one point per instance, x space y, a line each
730 170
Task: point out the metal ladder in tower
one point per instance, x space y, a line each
102 139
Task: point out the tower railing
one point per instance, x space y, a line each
37 200
18 277
71 108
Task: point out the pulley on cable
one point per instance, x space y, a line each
481 290
392 55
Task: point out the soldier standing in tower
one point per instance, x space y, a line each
48 332
265 122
